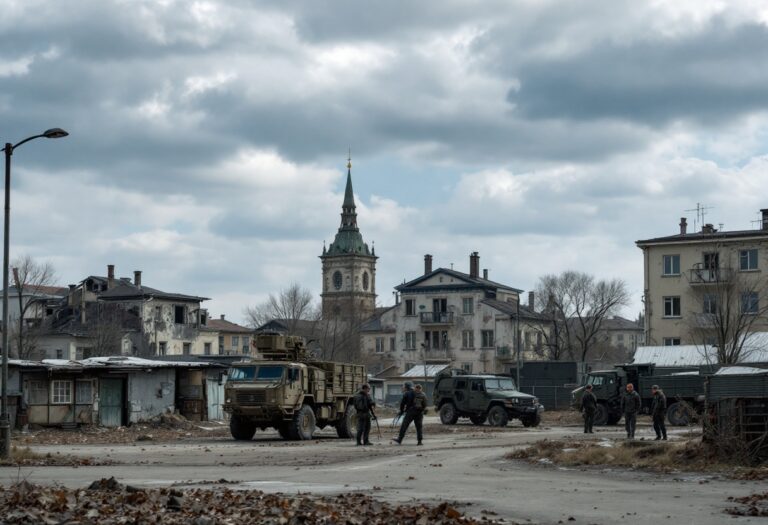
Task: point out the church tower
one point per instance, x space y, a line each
349 267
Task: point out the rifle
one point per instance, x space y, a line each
378 428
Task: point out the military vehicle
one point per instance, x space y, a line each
684 390
481 398
286 389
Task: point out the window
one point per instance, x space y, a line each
710 303
61 392
466 367
178 314
163 347
84 392
461 384
436 340
235 342
187 348
207 348
476 385
671 341
410 340
467 306
671 265
246 344
750 303
672 307
410 307
408 366
748 259
487 338
379 345
59 353
440 305
38 393
527 341
467 339
712 261
203 319
391 344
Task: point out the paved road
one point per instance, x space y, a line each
466 466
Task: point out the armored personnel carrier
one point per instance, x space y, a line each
286 389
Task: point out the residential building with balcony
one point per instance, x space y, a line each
449 317
693 282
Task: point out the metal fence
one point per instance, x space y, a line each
553 397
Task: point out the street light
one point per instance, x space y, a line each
5 420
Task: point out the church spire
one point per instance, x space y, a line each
348 208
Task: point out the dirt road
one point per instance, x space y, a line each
462 463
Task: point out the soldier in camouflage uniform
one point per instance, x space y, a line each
364 404
413 405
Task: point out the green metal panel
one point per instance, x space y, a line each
111 402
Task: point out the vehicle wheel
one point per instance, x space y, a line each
679 414
478 420
448 414
303 424
601 414
531 421
613 419
347 425
241 429
498 417
284 430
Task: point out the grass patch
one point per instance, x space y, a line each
649 455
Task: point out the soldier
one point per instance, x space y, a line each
413 405
588 407
658 411
364 404
630 406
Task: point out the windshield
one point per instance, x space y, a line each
253 373
596 380
499 384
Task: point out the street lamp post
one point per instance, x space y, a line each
5 419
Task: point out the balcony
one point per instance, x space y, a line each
700 274
436 317
505 354
438 355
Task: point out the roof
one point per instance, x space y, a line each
111 362
50 292
469 282
424 371
373 324
754 351
700 236
348 240
740 370
619 323
127 290
222 325
511 309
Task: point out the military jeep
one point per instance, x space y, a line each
483 398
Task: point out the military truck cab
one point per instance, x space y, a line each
483 397
607 385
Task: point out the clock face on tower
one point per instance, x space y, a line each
365 281
337 280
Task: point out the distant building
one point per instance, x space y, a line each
453 318
233 338
687 275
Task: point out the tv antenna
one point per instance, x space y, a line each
701 212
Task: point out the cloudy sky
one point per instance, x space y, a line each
209 139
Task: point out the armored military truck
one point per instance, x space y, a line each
684 390
285 389
481 398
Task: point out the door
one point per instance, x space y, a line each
477 395
111 402
215 397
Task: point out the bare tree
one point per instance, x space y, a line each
578 304
292 304
107 324
554 346
31 279
731 304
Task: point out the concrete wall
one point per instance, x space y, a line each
151 394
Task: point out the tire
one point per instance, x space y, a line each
531 421
498 417
679 415
241 429
448 414
303 424
601 415
346 427
478 420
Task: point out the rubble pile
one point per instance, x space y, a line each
108 502
752 505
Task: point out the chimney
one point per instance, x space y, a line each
137 278
474 265
222 317
764 211
427 264
110 276
684 225
530 301
485 273
708 228
71 295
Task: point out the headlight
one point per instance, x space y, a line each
228 400
513 401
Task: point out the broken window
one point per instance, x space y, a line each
178 314
84 392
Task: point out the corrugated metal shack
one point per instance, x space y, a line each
737 422
115 391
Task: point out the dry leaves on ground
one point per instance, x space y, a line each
752 505
108 502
